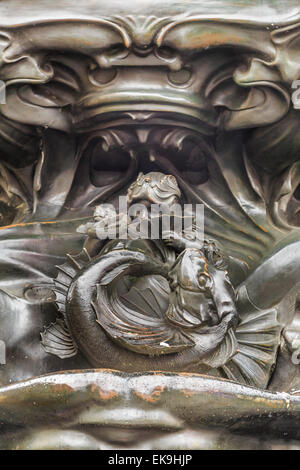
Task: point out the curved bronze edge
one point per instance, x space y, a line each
283 12
65 397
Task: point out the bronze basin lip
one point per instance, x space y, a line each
247 12
163 400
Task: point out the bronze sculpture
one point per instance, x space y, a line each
186 103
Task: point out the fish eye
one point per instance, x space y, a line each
219 262
172 179
204 280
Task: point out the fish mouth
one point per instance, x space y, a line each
109 408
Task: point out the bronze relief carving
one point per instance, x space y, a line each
182 104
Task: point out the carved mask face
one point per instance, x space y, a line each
97 92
